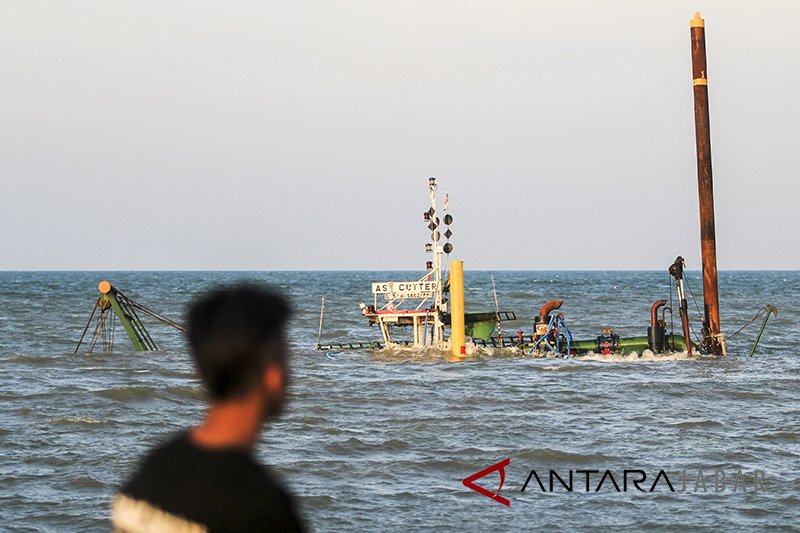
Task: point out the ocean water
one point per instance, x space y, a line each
381 441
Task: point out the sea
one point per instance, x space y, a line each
383 440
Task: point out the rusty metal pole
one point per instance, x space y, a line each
708 240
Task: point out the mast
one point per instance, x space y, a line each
711 330
438 333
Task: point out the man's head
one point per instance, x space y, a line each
237 339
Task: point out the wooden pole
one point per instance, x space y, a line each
705 186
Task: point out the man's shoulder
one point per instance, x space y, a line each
175 453
179 465
206 486
177 444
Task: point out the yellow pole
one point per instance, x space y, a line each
457 346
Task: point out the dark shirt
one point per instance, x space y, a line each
186 486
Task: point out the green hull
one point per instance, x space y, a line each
480 325
480 330
627 345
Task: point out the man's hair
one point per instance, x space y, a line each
234 333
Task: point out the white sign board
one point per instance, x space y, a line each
404 289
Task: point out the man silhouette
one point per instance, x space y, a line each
206 478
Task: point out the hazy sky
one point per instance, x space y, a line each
301 134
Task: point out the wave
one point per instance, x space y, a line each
127 393
646 356
81 421
549 456
36 360
689 424
416 354
186 391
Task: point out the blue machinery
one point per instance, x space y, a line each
551 339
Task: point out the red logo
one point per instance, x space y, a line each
501 466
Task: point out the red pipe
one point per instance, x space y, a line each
550 306
654 311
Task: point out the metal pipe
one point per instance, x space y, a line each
769 309
497 314
321 315
550 307
654 312
89 323
708 242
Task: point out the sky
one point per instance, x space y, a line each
206 135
